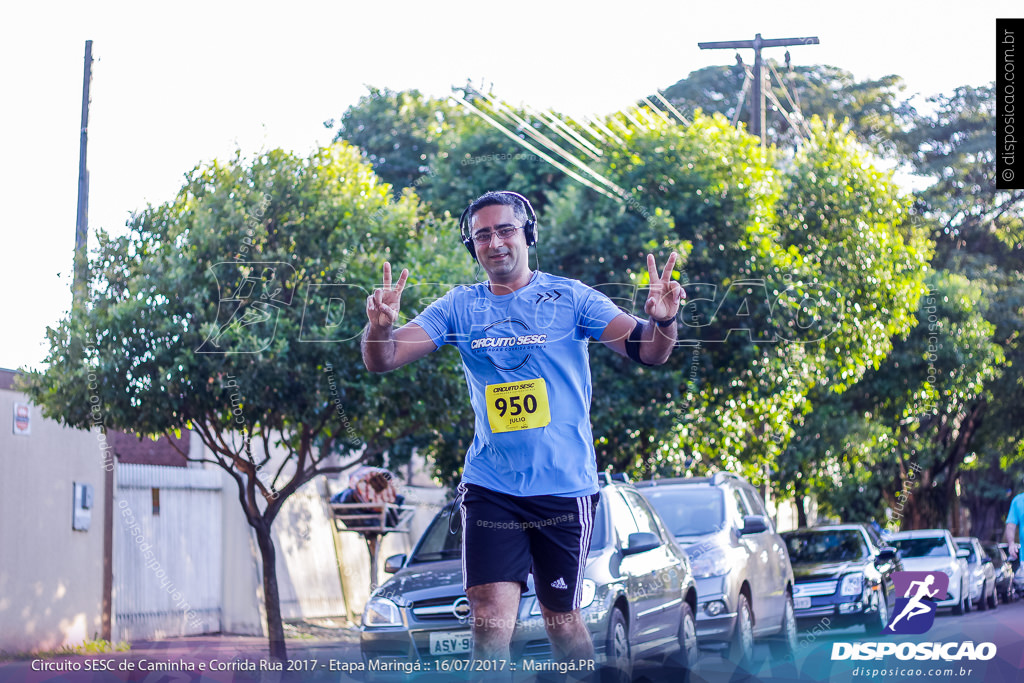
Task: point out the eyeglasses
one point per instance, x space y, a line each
484 236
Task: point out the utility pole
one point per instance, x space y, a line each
757 109
80 296
80 285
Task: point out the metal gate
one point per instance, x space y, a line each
168 560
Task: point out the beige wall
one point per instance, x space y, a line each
51 578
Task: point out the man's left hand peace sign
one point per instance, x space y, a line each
665 294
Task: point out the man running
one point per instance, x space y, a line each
1013 523
529 487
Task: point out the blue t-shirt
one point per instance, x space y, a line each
507 342
1016 515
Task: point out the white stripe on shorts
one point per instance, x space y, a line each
586 530
462 509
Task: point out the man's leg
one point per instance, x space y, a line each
570 639
494 608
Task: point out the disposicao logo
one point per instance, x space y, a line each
917 592
914 613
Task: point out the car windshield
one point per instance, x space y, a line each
443 538
929 546
994 554
688 510
969 547
825 546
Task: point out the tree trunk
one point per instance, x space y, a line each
801 510
271 596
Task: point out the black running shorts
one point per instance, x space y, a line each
506 537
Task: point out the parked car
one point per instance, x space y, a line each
744 578
981 574
1004 572
934 550
639 596
843 573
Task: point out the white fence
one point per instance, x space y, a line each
168 563
307 564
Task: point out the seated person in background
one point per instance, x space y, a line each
369 485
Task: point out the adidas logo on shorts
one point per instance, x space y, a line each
560 583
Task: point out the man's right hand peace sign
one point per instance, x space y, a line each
383 305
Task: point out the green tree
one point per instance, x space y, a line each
799 272
921 409
234 310
447 152
979 234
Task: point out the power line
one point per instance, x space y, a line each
757 96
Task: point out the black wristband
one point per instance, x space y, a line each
664 323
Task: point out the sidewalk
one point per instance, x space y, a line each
222 658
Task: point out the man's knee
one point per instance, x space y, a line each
563 622
494 606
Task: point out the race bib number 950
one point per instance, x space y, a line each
517 405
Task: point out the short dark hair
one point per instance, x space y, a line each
492 198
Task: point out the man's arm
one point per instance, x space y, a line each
1010 535
656 341
384 348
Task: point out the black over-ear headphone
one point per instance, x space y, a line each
529 228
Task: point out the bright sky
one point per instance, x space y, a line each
175 84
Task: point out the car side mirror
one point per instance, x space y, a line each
753 524
394 563
963 553
886 554
641 543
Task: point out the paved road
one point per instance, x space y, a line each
1004 627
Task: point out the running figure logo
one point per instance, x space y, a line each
252 295
915 607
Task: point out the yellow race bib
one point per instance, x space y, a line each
517 405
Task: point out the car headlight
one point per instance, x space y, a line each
709 563
381 612
948 571
853 584
588 592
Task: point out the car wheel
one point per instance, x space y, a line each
966 596
682 661
783 646
878 623
993 600
741 649
618 666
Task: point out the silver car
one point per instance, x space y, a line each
639 599
981 573
741 565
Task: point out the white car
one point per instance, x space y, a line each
934 550
982 573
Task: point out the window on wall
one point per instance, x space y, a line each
156 501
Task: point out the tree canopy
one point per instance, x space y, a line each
234 310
